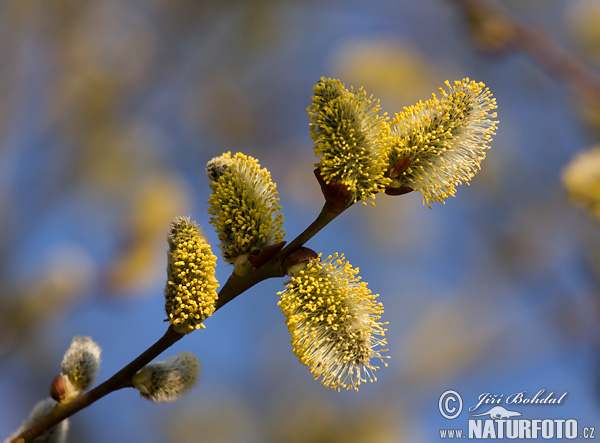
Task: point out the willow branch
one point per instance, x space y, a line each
555 58
325 216
120 380
234 286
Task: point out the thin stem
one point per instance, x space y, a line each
322 220
120 380
234 286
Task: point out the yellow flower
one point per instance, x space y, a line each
582 180
349 137
191 289
445 139
244 205
334 322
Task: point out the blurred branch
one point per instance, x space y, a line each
483 16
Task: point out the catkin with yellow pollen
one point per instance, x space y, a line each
244 205
191 289
445 138
334 322
349 138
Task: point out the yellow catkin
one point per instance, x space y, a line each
581 178
349 138
191 289
446 137
244 205
334 322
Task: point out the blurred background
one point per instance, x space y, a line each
111 109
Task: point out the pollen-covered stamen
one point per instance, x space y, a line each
244 206
334 322
349 138
191 289
445 137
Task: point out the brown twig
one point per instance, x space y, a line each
120 380
234 286
554 58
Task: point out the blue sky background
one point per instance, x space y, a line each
111 110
